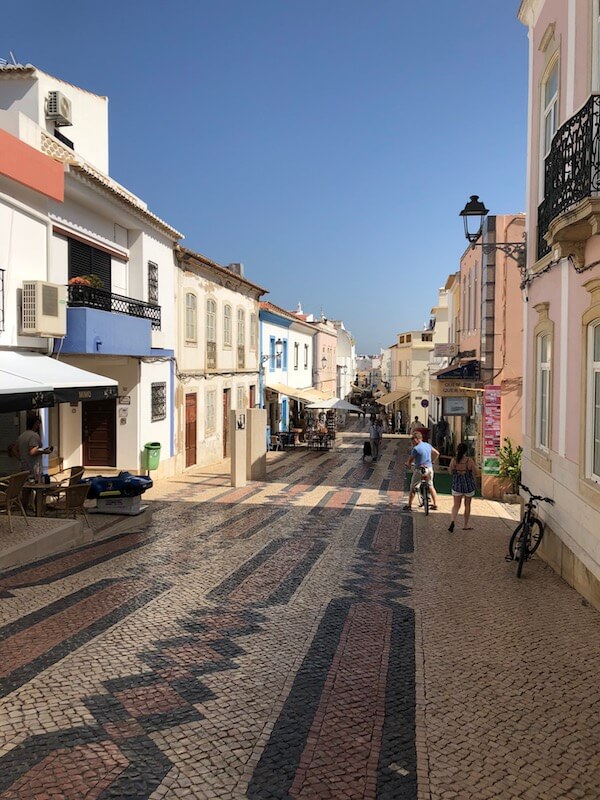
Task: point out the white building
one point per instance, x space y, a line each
217 355
345 359
122 327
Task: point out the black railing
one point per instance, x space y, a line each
571 168
90 297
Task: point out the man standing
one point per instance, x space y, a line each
416 423
421 455
375 435
30 447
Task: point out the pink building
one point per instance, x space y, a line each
562 316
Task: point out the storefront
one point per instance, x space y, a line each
456 395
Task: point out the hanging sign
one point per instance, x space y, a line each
492 400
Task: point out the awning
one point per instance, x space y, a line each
308 395
467 371
68 383
391 397
22 394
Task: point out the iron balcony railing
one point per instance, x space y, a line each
90 297
571 168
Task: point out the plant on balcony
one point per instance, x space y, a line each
95 281
80 280
510 465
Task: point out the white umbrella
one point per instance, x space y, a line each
334 403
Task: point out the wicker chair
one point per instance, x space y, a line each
11 487
69 500
71 476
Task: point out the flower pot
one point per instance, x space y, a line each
509 497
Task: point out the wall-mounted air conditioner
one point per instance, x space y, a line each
43 309
58 109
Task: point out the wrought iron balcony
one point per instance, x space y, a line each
571 168
90 297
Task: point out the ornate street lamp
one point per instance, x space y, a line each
323 362
277 354
474 214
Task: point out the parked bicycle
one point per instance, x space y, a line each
422 490
529 532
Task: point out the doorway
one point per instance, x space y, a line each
191 415
99 433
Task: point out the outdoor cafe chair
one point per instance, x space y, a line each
11 487
71 476
69 500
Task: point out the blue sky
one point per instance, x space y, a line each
329 145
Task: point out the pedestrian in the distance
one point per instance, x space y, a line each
463 471
375 435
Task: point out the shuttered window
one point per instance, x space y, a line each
87 260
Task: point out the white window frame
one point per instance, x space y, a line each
241 328
227 317
191 318
543 371
592 429
211 411
211 320
550 109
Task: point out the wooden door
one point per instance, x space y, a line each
226 410
99 433
191 413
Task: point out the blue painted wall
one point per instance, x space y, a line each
90 330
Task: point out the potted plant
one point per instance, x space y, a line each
510 468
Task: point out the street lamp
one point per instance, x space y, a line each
473 215
276 354
323 362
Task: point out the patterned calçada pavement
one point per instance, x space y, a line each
253 642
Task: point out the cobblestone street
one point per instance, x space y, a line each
298 638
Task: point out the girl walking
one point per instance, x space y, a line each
464 471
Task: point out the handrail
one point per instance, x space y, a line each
81 296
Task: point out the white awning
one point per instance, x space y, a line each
391 397
69 384
308 395
20 394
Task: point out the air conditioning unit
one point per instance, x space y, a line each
58 109
43 309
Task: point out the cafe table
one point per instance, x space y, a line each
41 492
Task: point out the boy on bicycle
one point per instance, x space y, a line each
421 455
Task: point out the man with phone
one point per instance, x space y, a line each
30 447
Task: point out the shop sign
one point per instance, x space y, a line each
456 406
460 388
492 400
444 350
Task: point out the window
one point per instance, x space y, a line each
296 355
159 401
427 337
240 398
211 410
408 337
543 392
253 332
241 338
87 260
211 334
305 356
152 282
227 326
550 107
284 354
191 318
593 403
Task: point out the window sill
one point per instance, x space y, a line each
542 460
589 491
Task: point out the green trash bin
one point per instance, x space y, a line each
152 451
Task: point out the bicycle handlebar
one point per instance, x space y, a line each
536 496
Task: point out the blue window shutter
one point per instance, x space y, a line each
285 354
272 354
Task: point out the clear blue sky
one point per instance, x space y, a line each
327 144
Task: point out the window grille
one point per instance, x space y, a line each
152 282
159 401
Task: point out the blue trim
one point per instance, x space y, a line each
172 415
272 354
284 414
284 356
275 319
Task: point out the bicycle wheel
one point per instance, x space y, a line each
524 549
536 533
514 547
425 490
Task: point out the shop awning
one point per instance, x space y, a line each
22 394
467 371
69 384
391 397
308 395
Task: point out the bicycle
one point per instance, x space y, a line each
422 490
528 534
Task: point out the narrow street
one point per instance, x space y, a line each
298 638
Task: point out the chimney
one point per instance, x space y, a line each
237 268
